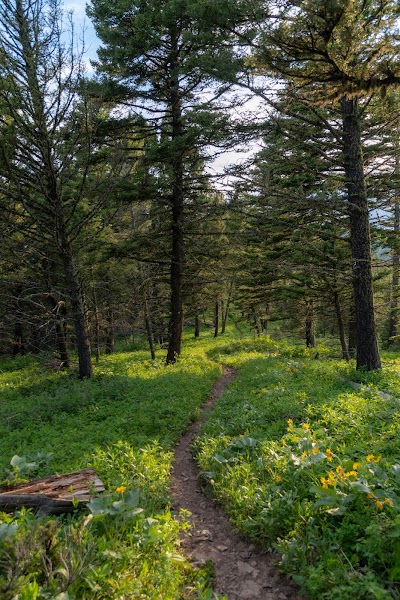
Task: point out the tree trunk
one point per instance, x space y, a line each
19 342
310 336
265 320
149 329
360 237
216 319
110 342
35 342
338 308
196 326
228 302
394 308
60 312
96 332
177 199
96 321
352 331
78 313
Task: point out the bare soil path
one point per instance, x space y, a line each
243 572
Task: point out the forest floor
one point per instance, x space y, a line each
300 454
243 571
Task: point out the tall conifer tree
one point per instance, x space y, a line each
339 51
158 59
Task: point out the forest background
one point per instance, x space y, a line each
118 234
114 224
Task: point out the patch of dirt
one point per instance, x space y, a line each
243 571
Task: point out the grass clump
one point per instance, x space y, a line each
124 423
310 467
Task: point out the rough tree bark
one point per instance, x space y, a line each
196 326
352 331
360 238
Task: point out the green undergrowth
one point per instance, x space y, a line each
124 422
305 464
387 379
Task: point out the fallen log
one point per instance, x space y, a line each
52 495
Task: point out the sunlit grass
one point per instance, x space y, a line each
271 485
124 422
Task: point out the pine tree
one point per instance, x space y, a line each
338 52
158 59
50 154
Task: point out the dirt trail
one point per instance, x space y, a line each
243 571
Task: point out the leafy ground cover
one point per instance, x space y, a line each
124 423
305 464
302 462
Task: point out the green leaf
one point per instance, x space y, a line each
98 506
394 573
316 458
135 511
321 491
395 469
220 459
359 486
19 462
131 499
7 530
327 501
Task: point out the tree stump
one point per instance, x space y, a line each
52 495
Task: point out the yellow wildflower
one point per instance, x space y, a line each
388 501
356 466
325 483
305 426
339 470
370 495
378 458
331 478
352 474
120 489
290 424
277 478
328 454
370 458
379 504
283 441
304 454
315 450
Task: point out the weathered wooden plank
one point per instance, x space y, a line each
52 495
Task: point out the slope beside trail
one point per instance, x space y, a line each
243 572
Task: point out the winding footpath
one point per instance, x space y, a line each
243 572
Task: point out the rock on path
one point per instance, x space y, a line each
243 572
